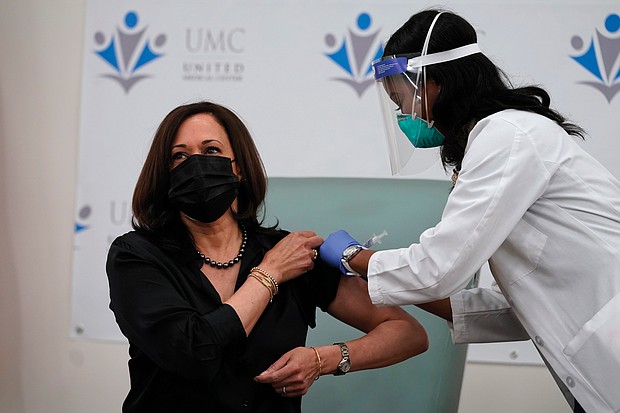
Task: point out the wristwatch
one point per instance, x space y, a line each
345 363
347 255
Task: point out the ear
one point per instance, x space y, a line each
237 171
432 89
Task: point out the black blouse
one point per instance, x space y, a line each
188 351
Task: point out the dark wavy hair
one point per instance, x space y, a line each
152 210
472 87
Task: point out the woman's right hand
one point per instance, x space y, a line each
292 256
333 248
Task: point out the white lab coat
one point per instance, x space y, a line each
546 215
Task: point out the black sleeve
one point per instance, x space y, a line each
156 308
316 288
324 284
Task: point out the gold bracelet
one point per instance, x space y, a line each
266 274
318 358
264 281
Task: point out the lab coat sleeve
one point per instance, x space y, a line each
501 177
482 315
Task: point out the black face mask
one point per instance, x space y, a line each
203 187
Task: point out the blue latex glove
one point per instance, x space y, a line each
331 250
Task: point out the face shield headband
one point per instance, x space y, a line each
401 81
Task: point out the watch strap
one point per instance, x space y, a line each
345 363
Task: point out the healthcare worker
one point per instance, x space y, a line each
527 199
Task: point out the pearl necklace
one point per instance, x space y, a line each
230 263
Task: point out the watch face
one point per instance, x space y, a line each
345 367
349 251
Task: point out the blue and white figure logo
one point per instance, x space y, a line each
83 215
600 57
128 50
355 53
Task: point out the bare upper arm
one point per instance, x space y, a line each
352 306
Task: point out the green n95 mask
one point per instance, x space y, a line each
419 132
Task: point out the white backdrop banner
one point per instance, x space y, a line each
298 74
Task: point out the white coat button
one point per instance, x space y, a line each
539 341
570 381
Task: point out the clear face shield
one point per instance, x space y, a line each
405 109
401 84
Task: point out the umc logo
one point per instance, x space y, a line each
354 53
600 57
127 50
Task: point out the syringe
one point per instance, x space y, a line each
375 239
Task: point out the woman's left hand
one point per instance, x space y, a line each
293 373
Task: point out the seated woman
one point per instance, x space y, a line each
215 306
